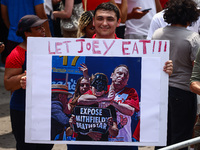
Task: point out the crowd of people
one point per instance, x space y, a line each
173 20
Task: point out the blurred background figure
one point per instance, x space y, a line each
12 11
85 25
138 19
15 68
69 14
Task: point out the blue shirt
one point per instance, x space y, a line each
16 10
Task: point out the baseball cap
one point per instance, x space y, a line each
27 22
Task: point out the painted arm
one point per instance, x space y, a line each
124 108
40 12
91 99
12 78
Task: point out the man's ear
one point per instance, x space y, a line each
118 22
93 22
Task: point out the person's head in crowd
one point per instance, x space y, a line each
60 92
85 25
99 82
82 86
183 12
120 77
106 19
31 25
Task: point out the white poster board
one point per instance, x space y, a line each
153 85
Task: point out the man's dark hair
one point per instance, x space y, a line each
122 65
181 12
108 6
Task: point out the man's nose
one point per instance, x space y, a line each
104 22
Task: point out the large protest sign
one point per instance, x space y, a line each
56 61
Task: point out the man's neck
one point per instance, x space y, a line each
105 37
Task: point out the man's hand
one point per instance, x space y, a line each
95 135
135 14
168 68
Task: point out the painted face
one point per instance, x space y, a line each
90 30
120 77
63 98
38 31
96 93
84 86
105 23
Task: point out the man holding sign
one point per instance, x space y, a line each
106 19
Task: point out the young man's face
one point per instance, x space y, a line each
105 23
120 77
38 31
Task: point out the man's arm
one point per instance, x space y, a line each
158 6
123 8
67 12
4 15
12 78
195 78
40 12
195 87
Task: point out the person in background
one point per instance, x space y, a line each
28 26
48 7
12 11
85 25
66 13
195 88
159 22
184 44
138 21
